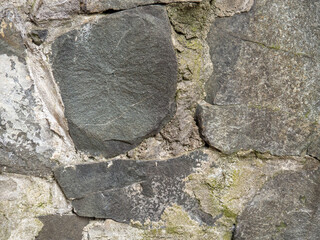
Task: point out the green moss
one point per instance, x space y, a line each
227 236
228 213
281 226
302 199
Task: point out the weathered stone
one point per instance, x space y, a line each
48 10
120 82
287 207
226 183
236 127
230 7
22 199
62 227
314 149
39 36
265 84
22 149
104 5
111 230
126 190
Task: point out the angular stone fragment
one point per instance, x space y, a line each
39 36
287 207
232 128
21 147
104 5
125 190
117 78
48 10
265 84
62 227
230 7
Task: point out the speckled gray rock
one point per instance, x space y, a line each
230 7
314 149
265 84
104 5
287 207
62 227
48 10
119 84
21 146
125 190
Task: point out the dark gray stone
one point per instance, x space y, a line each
20 131
62 227
265 84
125 190
287 207
119 84
39 36
105 5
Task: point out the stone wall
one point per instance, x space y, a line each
159 119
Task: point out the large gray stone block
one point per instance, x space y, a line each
125 190
287 207
117 78
265 85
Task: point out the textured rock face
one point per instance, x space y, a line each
289 204
265 87
22 149
230 7
65 227
48 10
22 199
250 73
125 190
104 5
120 81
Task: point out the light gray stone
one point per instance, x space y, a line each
104 5
48 10
22 149
119 84
125 190
265 85
230 7
287 207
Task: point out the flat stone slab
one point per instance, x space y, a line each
125 190
105 5
287 207
120 81
265 87
62 227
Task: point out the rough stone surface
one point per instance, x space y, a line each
230 7
48 10
104 5
39 36
111 230
121 78
314 149
265 84
61 227
22 135
191 23
125 190
287 207
22 199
